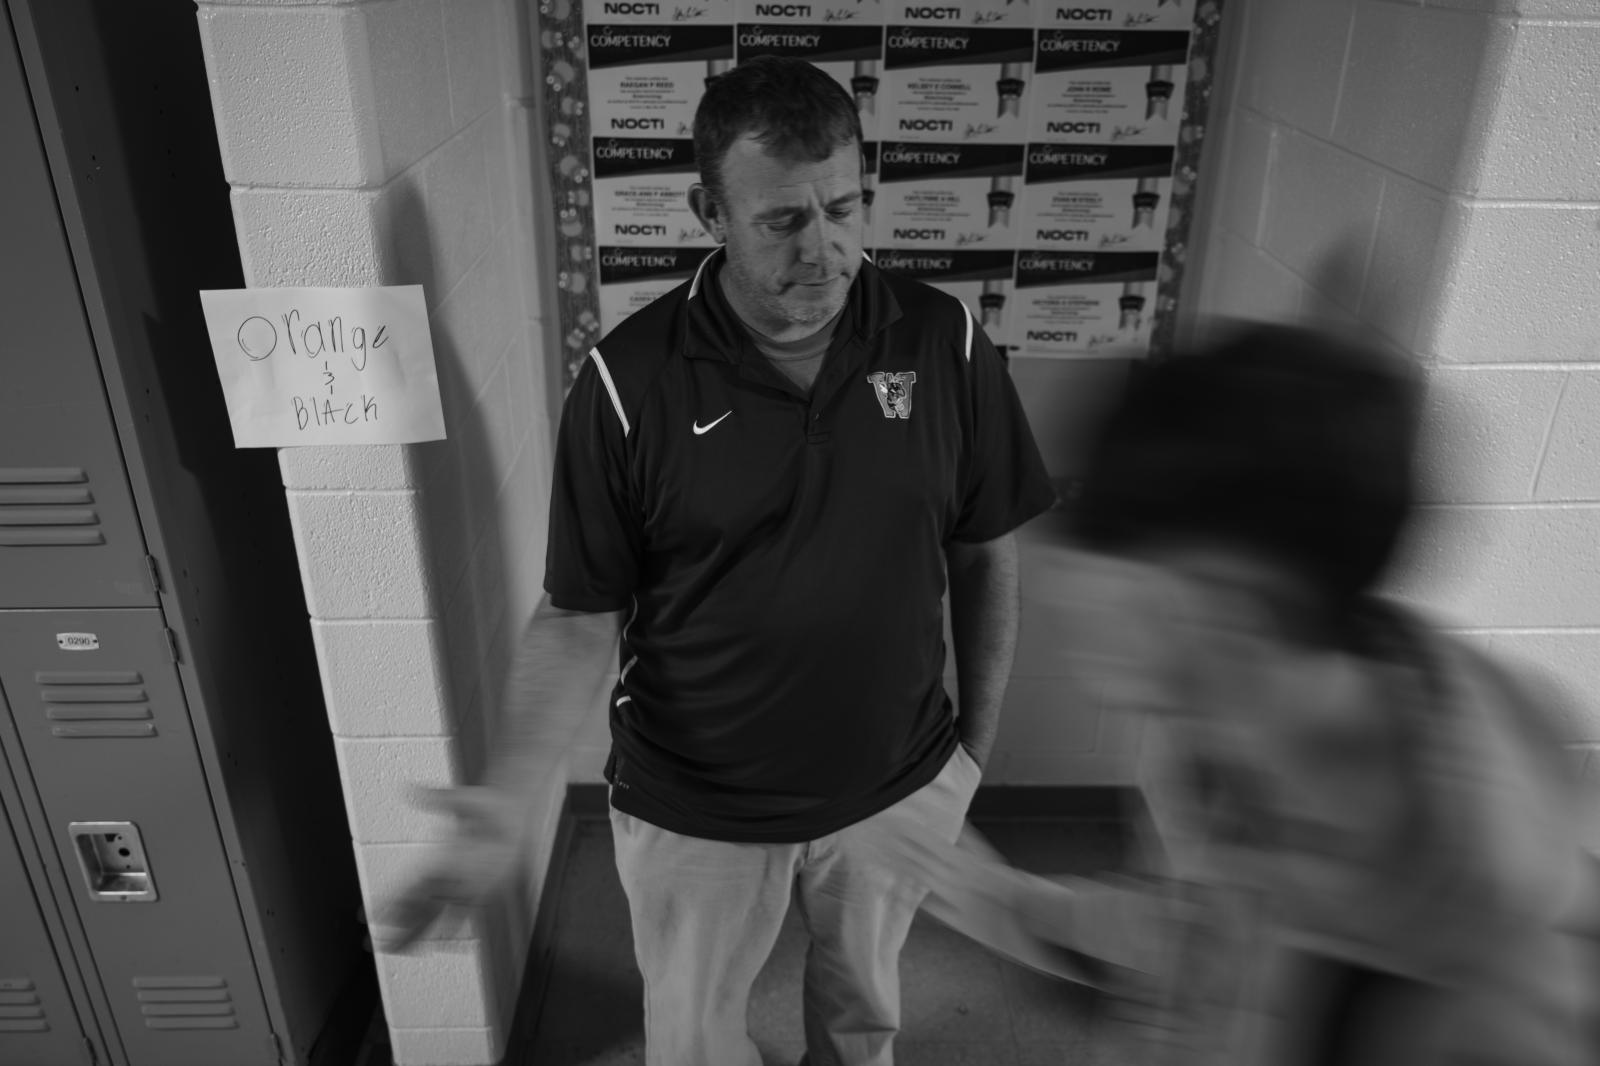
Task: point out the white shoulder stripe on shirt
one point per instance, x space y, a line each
611 387
968 311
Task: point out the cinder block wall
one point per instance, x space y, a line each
1429 170
392 142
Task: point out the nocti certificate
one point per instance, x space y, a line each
1096 197
1079 304
641 192
646 80
978 277
959 13
632 278
956 83
1109 87
850 52
1115 14
946 195
658 12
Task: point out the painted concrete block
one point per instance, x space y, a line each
497 137
486 581
1048 714
514 25
1576 9
473 51
447 985
329 466
1571 468
1415 94
384 678
361 554
504 285
402 216
527 406
586 763
293 237
1544 140
1245 282
1569 660
387 870
1061 398
288 86
1327 246
461 346
1517 285
494 412
450 528
1400 278
1242 196
447 1047
457 184
463 643
410 82
1505 567
1113 761
1484 431
1294 59
385 783
533 208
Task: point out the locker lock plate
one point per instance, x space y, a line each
111 856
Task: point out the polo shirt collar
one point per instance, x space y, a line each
712 331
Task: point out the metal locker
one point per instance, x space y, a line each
39 1024
161 726
69 535
96 700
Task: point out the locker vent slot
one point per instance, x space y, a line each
185 1003
44 506
20 1009
96 703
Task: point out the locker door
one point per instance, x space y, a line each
38 1024
69 536
110 749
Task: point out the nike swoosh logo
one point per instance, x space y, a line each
699 429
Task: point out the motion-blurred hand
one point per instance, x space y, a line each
464 873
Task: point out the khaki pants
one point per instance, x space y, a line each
706 914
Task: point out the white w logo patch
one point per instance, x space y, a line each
894 392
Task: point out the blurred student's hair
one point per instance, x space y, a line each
1288 442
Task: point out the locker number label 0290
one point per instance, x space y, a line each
78 641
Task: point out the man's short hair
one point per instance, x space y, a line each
1287 442
794 110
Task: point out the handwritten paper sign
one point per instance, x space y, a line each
325 366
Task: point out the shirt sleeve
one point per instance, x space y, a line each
593 552
1005 482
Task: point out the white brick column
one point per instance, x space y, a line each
1429 170
389 142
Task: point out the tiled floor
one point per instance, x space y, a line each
961 1006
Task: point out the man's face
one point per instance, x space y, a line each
792 231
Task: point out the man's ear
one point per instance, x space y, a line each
708 211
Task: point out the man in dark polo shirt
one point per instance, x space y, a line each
764 482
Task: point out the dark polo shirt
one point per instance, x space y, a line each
780 557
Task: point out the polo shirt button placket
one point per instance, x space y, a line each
816 433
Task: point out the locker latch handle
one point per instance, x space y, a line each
111 856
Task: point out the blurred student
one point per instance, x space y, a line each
1372 824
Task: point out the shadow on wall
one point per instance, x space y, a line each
459 519
456 483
